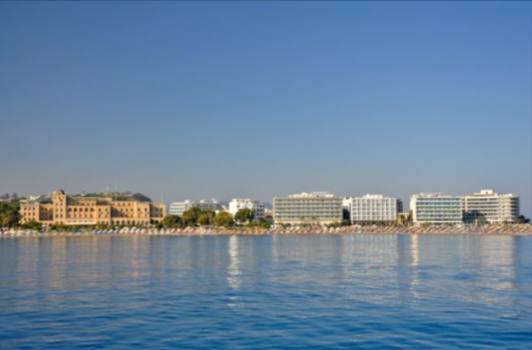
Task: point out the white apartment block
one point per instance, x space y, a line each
178 208
308 208
492 206
374 209
237 203
436 208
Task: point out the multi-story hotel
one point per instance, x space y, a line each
436 208
86 210
491 206
375 209
307 208
178 208
236 204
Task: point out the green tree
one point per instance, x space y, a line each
523 220
262 223
206 217
9 214
224 219
245 215
171 221
191 216
33 225
481 220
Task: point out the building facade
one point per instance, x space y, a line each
375 209
236 204
178 208
81 210
308 208
436 208
491 207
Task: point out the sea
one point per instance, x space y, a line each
266 292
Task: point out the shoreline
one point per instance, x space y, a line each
489 230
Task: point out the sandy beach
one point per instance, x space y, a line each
198 231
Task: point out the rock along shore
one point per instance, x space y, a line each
203 231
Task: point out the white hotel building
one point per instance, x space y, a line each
236 204
436 208
178 208
375 209
491 206
308 208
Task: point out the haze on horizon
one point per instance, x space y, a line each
190 100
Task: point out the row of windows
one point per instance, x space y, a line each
368 202
332 202
308 216
374 210
317 212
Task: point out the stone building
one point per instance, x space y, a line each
92 210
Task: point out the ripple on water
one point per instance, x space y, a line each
328 292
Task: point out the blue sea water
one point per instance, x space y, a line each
266 292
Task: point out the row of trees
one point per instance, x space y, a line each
198 217
7 197
9 214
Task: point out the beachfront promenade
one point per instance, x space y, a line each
198 231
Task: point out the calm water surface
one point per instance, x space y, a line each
282 292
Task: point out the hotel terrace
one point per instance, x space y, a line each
87 210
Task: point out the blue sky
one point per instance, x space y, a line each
260 99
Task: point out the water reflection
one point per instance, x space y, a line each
233 271
407 268
275 248
348 258
414 249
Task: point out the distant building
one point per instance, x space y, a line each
436 208
490 206
375 209
236 204
88 210
268 215
178 208
308 208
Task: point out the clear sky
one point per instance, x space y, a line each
260 99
